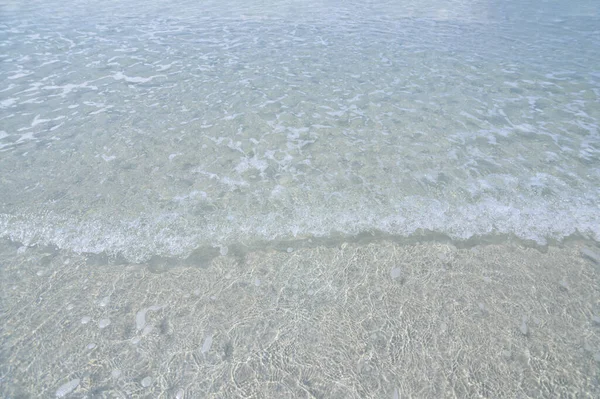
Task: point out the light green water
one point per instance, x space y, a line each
343 199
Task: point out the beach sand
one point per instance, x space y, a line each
375 320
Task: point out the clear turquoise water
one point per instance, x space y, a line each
310 178
138 129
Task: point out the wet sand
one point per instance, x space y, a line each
381 320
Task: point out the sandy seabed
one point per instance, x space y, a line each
376 320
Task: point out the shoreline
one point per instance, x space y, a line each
204 254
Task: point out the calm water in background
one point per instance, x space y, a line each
152 128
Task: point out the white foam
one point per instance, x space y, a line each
528 220
8 102
251 163
135 79
37 120
69 87
19 75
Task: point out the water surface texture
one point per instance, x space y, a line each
345 199
140 129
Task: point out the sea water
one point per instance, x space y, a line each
150 128
315 181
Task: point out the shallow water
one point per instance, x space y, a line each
378 320
241 148
157 132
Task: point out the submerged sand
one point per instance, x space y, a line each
381 320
